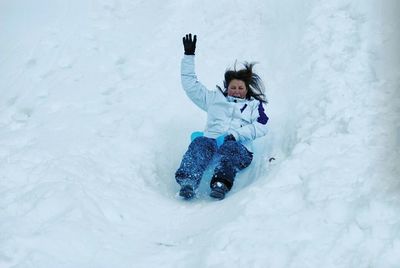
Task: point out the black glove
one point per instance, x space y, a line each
229 137
189 44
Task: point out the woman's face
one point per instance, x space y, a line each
237 88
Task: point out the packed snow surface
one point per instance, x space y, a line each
94 122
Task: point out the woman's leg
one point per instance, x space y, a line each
234 157
195 161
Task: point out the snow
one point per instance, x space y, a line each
93 124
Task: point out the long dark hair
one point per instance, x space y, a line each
254 84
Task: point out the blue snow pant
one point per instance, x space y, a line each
233 157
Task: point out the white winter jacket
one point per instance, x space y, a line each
244 119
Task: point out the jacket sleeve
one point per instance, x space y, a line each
196 91
256 129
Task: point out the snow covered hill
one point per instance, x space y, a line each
93 124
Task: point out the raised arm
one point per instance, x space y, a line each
196 91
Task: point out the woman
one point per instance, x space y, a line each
235 117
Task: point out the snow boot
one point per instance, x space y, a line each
187 192
218 190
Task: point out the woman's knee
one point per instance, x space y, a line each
229 148
236 153
201 141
